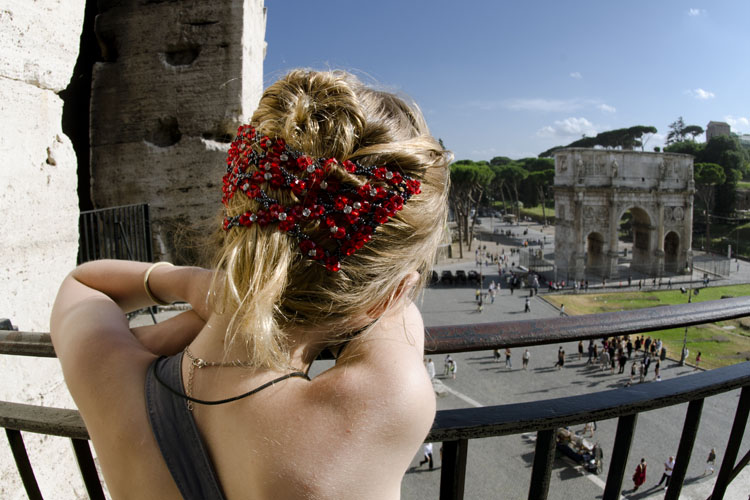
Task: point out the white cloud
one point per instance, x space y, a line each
696 12
606 108
541 104
569 127
700 94
739 124
576 75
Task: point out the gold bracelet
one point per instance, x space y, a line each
149 293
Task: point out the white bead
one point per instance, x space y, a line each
334 229
323 185
389 175
283 157
310 169
306 212
282 216
347 209
267 176
357 205
253 217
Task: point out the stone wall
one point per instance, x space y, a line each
39 204
179 78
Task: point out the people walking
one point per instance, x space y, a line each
562 309
527 306
525 358
430 368
453 369
560 358
580 349
508 364
639 477
427 455
668 468
697 361
711 462
447 365
496 355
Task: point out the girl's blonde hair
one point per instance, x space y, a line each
265 282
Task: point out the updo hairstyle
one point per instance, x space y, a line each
265 282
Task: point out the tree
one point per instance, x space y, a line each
676 131
693 131
513 174
542 180
624 138
500 161
707 176
679 132
469 180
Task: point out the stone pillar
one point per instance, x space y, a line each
659 252
39 206
179 78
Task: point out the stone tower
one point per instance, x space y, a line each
178 79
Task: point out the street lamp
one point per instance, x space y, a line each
690 292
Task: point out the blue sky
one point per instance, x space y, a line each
498 78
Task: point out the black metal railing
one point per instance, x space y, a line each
115 233
455 428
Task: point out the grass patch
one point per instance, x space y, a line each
721 344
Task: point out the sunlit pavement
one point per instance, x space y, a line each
500 468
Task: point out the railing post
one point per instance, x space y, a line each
733 446
88 469
620 452
24 465
453 469
544 454
689 430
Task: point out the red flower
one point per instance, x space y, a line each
350 166
287 225
413 186
348 248
340 202
339 234
396 179
381 215
298 187
329 163
332 264
303 162
253 191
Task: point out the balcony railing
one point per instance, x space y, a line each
455 428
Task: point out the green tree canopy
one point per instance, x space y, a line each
469 181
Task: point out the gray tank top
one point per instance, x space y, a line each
176 432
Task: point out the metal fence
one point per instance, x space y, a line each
115 233
457 428
712 264
531 259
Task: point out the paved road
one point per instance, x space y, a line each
500 468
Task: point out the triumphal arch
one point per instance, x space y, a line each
594 188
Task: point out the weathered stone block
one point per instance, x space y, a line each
180 78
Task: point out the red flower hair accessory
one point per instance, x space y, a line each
332 218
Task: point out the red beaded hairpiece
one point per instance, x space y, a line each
338 217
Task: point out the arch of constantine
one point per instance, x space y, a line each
594 188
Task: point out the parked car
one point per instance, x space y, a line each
461 276
446 277
434 279
473 277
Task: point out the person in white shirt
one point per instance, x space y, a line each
668 467
427 455
430 368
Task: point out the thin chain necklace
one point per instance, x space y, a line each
196 362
